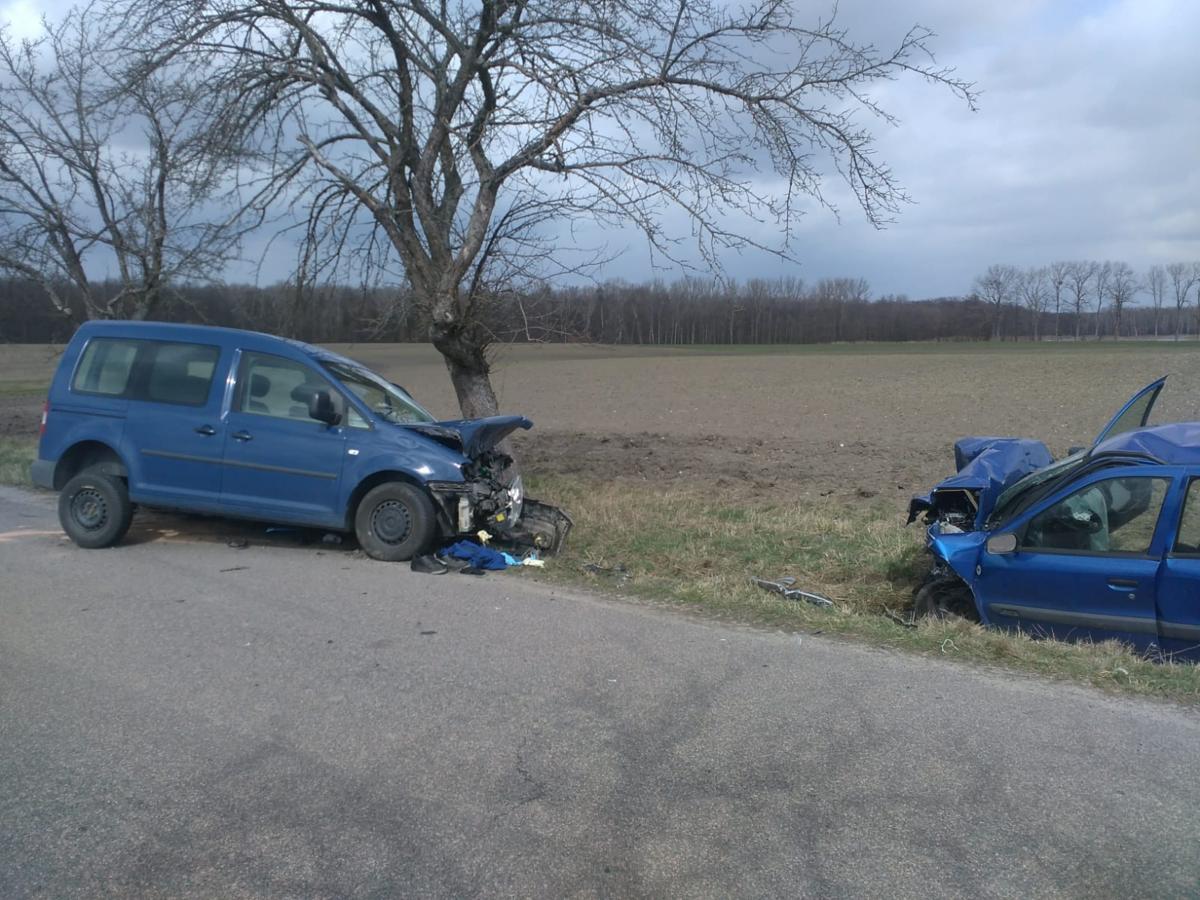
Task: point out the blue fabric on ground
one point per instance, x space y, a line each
478 556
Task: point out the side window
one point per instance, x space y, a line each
180 373
1188 539
105 367
273 386
1117 515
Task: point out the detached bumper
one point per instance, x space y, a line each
41 473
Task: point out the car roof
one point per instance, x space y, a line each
1175 444
184 331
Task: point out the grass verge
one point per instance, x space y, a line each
698 549
15 456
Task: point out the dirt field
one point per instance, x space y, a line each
859 422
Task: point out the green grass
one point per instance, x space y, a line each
15 456
30 386
698 549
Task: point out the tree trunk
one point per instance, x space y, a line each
469 371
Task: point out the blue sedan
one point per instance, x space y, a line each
1104 543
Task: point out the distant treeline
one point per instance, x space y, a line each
689 311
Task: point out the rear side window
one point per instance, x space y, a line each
157 371
106 367
180 373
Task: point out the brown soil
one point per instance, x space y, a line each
857 422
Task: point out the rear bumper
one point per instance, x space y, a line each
41 473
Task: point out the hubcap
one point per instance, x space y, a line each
89 509
391 522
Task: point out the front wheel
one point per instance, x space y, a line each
94 509
394 522
945 596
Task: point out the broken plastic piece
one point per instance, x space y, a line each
783 587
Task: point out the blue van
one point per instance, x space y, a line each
246 425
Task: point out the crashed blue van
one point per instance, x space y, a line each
247 425
1104 543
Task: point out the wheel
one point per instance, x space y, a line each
394 522
945 596
94 509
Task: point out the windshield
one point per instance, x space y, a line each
386 400
1008 503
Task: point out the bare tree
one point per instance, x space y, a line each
435 120
101 174
1058 274
1121 287
997 286
1100 279
1156 284
1079 276
1183 277
1033 286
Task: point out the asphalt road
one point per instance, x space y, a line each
180 718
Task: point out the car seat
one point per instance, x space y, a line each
260 386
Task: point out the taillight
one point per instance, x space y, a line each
45 415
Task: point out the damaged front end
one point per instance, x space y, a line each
957 510
986 468
490 498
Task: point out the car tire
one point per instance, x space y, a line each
945 597
394 522
94 509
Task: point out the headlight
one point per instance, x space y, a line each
516 496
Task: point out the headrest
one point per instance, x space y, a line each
260 385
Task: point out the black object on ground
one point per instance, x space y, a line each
428 565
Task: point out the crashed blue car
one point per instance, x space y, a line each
1104 543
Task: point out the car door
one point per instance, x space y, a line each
279 463
173 424
1134 414
1085 564
1179 582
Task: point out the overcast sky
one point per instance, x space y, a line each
1085 145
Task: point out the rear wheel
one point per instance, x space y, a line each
394 522
94 509
947 595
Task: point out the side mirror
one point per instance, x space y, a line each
1001 544
320 407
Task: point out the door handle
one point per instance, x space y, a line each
1124 583
206 430
243 436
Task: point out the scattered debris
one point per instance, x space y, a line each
235 569
783 587
619 572
238 544
331 538
909 621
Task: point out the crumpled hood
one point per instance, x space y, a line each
987 466
473 436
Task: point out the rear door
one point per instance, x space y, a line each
1179 583
1086 564
173 434
279 463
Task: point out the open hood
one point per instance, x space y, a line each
1134 414
472 437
